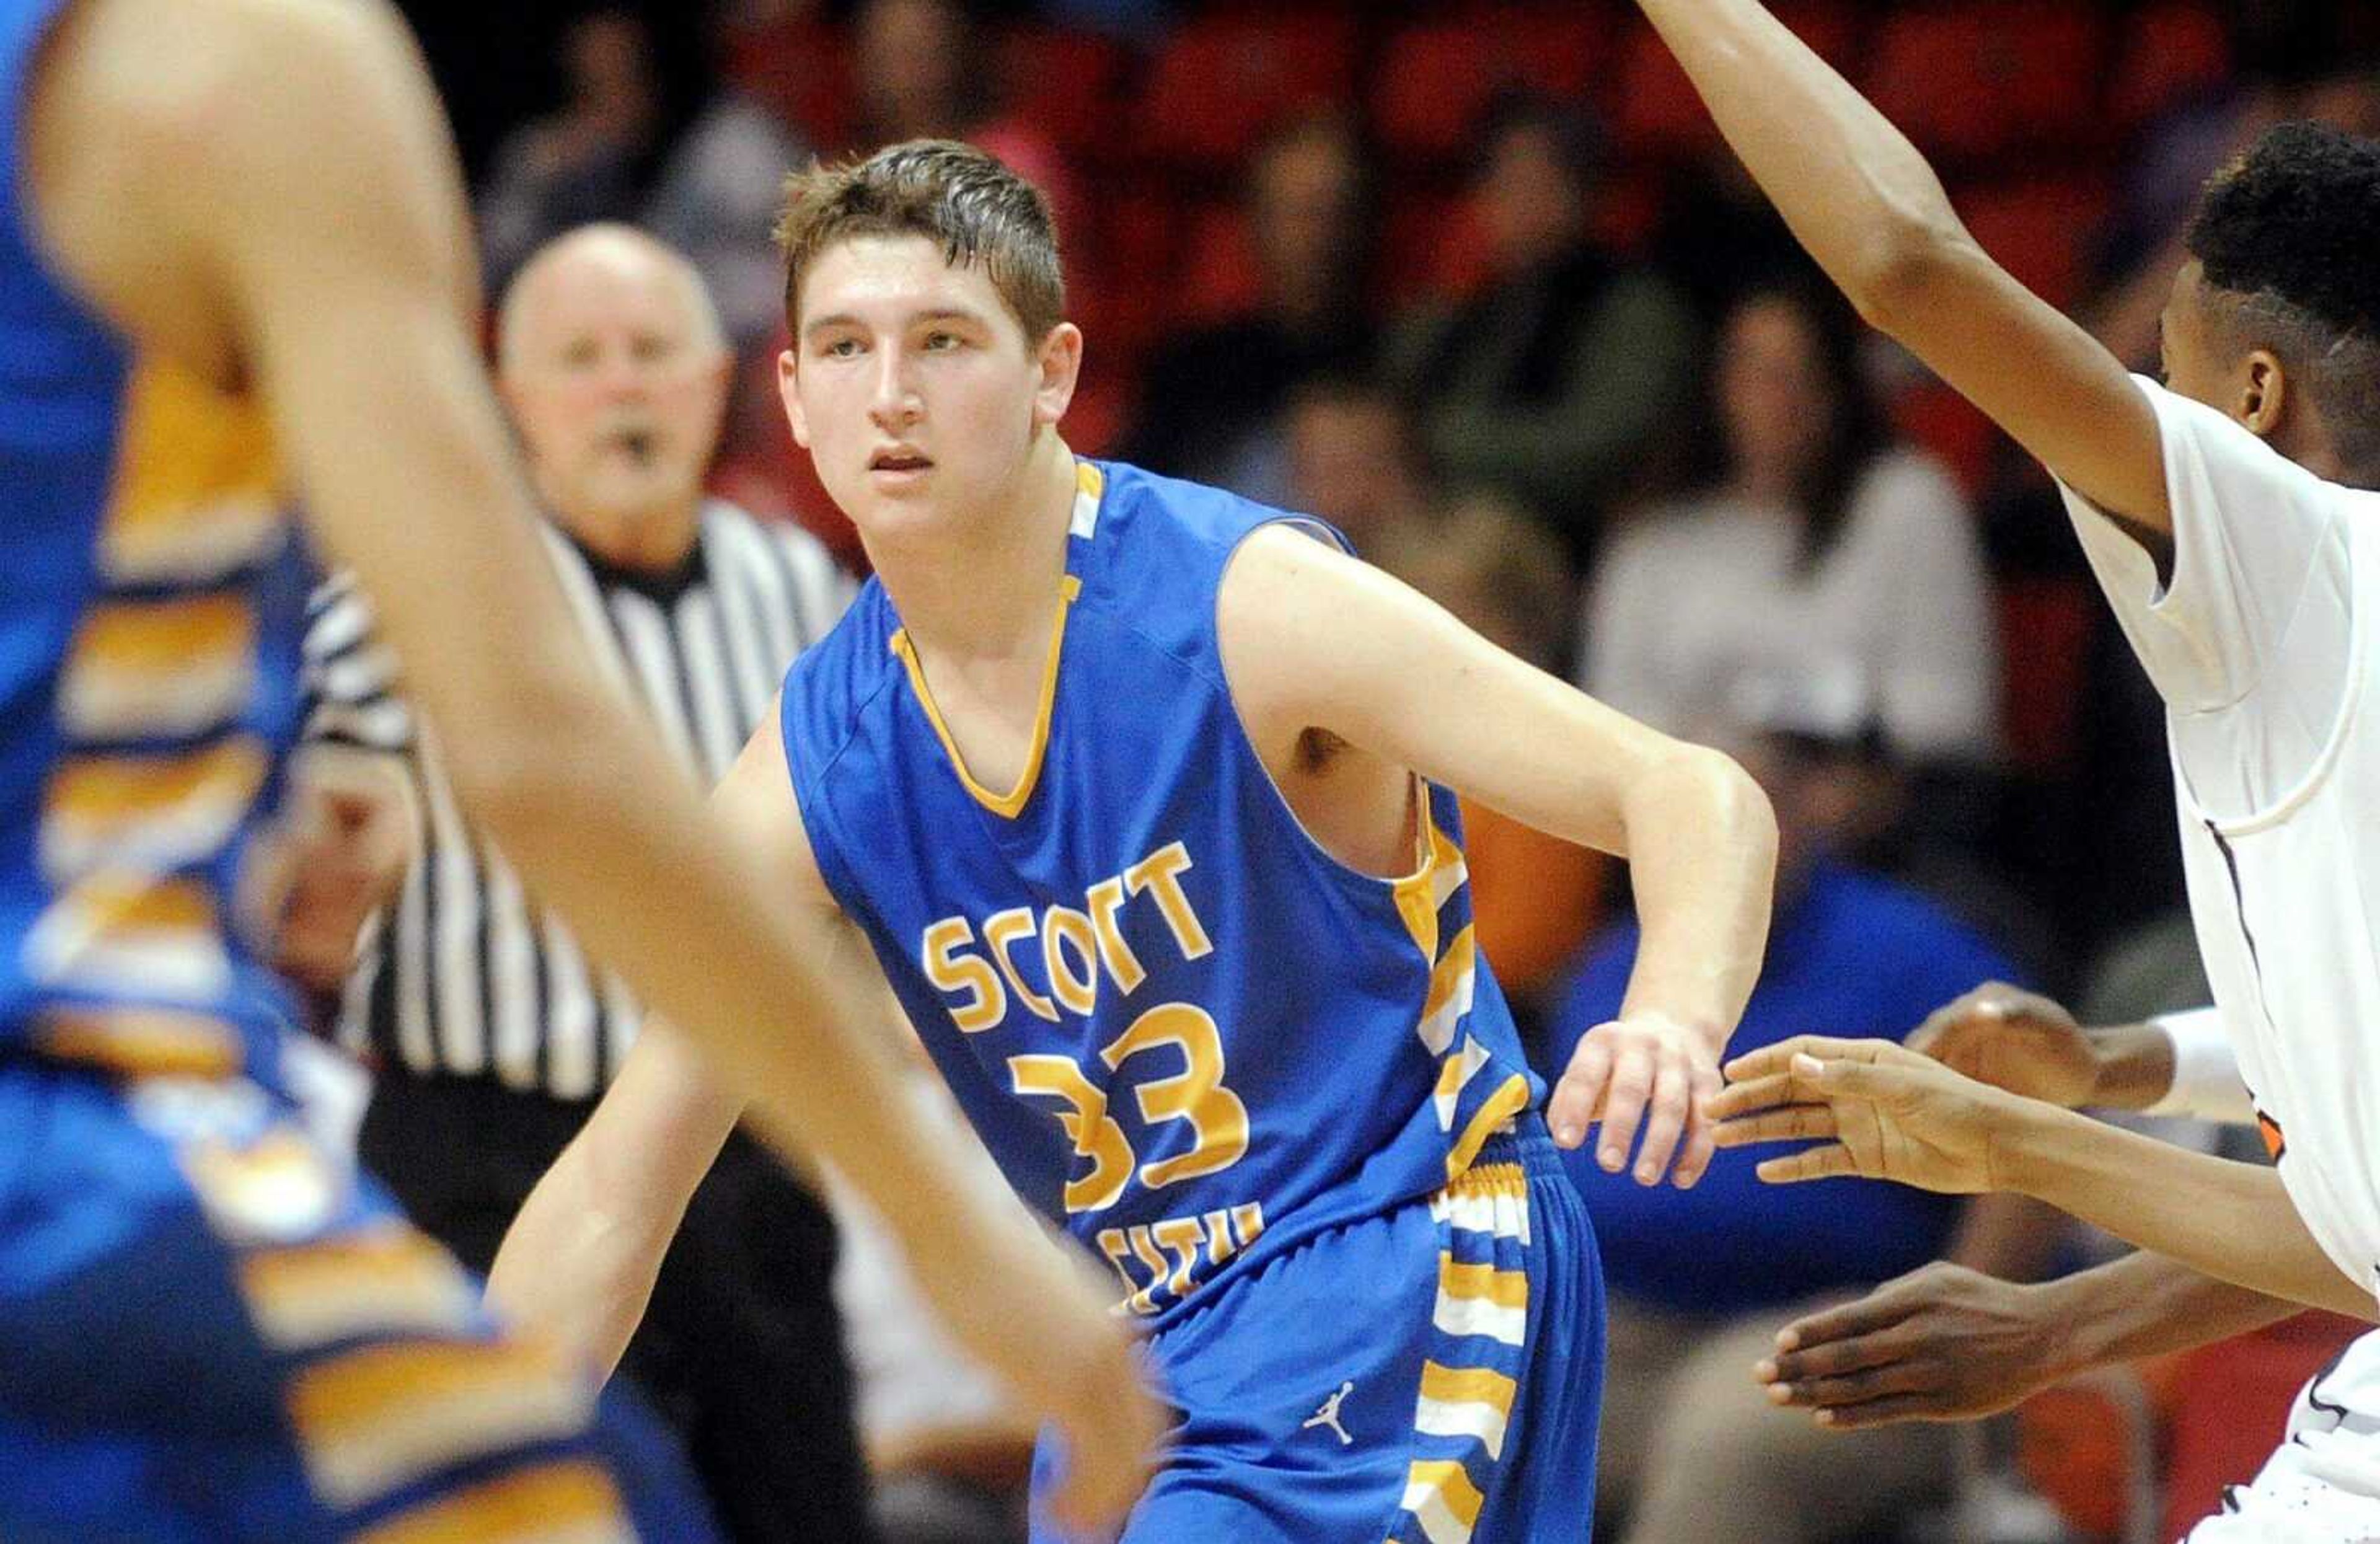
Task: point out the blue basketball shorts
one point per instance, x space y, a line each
212 1329
1429 1376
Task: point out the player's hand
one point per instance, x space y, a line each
2013 1039
1645 1071
1881 1110
1032 1312
1941 1344
350 824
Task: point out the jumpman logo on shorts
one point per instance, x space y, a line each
1329 1415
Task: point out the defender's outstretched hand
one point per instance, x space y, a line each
1642 1070
1941 1344
1882 1111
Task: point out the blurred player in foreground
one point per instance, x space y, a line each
1144 797
224 223
2248 585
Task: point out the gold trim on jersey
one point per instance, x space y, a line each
384 1278
1455 1074
136 813
564 1501
379 1417
1443 1501
1008 806
124 933
169 667
1440 873
141 1042
1507 1101
195 492
1090 488
1453 985
155 777
276 1189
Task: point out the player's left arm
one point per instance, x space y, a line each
579 1261
1312 638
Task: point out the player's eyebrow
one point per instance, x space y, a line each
936 313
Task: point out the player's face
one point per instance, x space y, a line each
914 388
616 387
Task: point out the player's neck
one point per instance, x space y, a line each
989 588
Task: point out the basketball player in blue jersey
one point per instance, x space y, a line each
224 223
1143 797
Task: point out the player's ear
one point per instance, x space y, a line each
2263 393
788 393
1060 359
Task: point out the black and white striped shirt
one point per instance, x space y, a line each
461 975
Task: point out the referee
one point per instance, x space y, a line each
489 1031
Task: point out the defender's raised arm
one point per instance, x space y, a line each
1872 212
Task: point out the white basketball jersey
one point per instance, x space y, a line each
2263 645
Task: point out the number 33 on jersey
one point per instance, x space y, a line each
1186 1033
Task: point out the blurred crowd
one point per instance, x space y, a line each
1483 289
1478 285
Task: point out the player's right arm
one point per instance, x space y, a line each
580 1261
1863 201
1946 1344
279 170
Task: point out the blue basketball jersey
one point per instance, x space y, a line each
150 614
1187 1034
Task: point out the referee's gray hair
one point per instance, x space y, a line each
620 240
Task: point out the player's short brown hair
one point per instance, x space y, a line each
954 195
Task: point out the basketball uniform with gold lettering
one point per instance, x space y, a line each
209 1327
1283 1099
